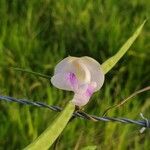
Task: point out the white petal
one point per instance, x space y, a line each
76 66
65 65
82 72
94 67
65 81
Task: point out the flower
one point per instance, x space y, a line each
82 75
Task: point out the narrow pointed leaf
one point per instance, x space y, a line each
111 62
48 137
31 72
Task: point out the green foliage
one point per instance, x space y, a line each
111 62
48 137
36 35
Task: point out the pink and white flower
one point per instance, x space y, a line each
82 75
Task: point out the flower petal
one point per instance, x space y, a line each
82 72
76 66
65 81
65 65
94 67
82 96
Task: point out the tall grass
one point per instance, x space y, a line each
37 34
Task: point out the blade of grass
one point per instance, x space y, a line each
48 137
111 62
31 72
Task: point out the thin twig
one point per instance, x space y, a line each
126 99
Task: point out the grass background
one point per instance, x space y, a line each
36 35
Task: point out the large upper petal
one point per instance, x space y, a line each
76 66
65 65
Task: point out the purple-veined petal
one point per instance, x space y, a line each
65 81
76 66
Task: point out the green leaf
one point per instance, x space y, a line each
111 62
48 137
31 72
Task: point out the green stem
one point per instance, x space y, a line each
31 72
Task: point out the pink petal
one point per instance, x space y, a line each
82 96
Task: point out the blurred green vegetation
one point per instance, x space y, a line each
36 35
